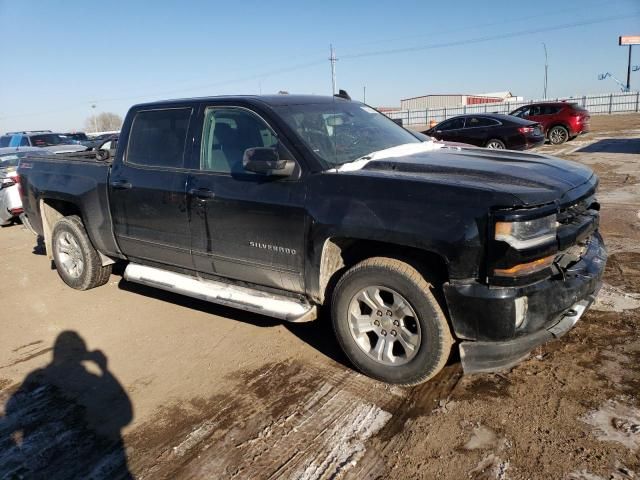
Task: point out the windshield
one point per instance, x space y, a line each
76 136
341 132
50 139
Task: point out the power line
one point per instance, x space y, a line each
487 38
509 21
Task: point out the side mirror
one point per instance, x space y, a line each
6 183
266 161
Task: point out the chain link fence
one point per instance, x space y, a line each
622 102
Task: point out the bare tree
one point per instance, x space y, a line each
103 122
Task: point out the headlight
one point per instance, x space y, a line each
529 233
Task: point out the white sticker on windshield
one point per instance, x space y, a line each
368 109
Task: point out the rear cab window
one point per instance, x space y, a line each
4 141
158 137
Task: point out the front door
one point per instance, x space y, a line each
452 130
244 226
147 189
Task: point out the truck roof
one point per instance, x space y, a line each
272 100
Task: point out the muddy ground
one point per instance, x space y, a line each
126 381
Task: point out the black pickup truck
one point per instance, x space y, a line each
282 204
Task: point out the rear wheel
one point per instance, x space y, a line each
558 135
496 144
388 322
77 262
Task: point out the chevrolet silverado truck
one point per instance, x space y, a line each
281 205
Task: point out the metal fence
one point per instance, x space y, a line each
620 102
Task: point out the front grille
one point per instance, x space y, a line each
568 214
577 222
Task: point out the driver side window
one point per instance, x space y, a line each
228 132
453 124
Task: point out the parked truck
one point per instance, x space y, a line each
285 205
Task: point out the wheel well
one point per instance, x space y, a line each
52 210
339 254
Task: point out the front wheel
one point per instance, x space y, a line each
77 262
388 322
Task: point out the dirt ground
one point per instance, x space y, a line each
126 381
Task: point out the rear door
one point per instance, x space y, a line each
479 129
244 226
147 188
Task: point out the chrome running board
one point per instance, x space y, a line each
244 298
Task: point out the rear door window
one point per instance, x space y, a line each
480 122
158 137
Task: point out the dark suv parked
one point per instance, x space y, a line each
489 130
561 121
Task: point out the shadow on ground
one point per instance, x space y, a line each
65 421
614 145
318 334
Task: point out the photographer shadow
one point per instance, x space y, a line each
65 420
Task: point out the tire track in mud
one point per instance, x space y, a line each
285 420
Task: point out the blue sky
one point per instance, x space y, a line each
60 57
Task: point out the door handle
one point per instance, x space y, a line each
202 193
120 185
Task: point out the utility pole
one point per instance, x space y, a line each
546 70
333 61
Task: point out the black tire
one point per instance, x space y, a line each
558 135
435 342
92 274
495 143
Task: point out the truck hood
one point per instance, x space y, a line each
534 179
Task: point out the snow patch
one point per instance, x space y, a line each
344 444
613 299
393 152
616 422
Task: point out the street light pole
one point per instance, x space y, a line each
629 71
546 69
95 120
364 94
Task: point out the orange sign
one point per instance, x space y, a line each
629 40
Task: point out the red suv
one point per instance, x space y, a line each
561 121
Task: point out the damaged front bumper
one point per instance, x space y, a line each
484 317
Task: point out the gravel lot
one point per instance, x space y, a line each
138 382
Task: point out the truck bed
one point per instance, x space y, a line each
73 180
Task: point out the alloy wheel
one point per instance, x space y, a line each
384 325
